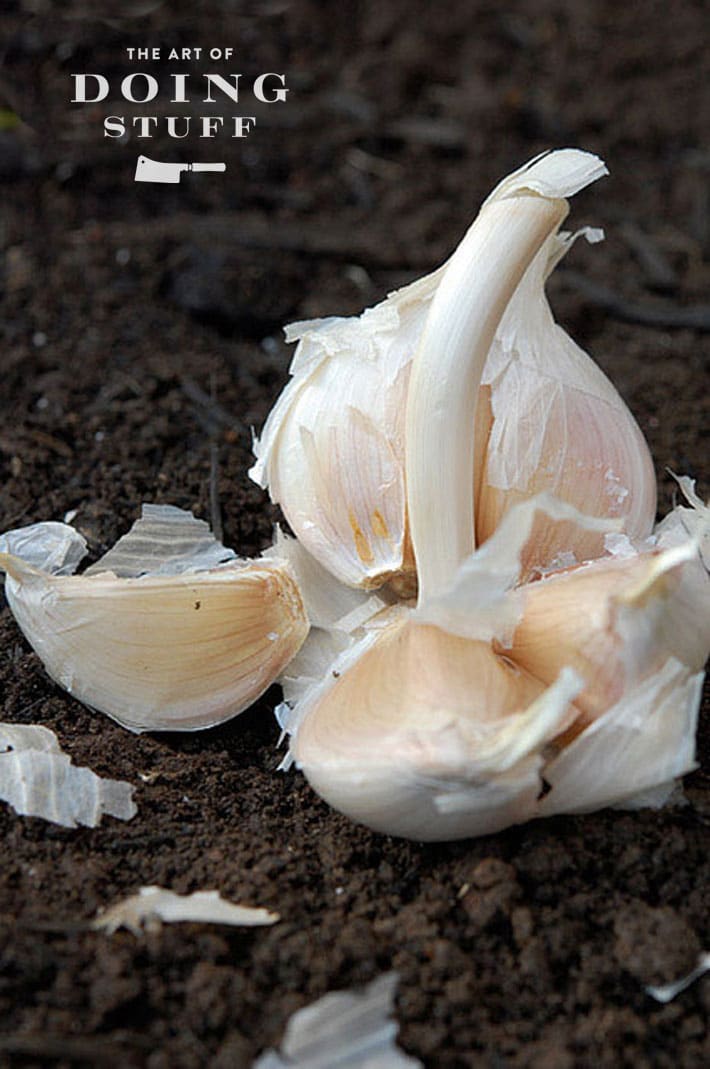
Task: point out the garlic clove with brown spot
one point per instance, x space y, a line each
331 451
182 647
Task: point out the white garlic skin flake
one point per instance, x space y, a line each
39 780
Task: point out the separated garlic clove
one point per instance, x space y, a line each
332 452
184 645
430 736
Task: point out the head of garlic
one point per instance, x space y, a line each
495 700
168 631
334 451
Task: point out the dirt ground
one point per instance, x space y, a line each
125 306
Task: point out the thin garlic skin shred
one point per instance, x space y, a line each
190 641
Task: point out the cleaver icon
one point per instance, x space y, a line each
155 171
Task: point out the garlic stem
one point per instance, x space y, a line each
472 296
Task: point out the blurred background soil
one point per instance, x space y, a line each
141 337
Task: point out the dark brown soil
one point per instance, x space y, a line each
528 948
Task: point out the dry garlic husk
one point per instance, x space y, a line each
167 631
428 724
39 780
333 451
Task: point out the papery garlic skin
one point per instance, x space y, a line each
632 755
39 780
161 652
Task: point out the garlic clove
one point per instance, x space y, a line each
555 423
331 450
632 755
615 621
183 650
431 736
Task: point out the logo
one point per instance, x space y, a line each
154 104
154 171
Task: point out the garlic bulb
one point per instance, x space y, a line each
333 451
449 719
168 631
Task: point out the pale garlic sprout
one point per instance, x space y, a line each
336 450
